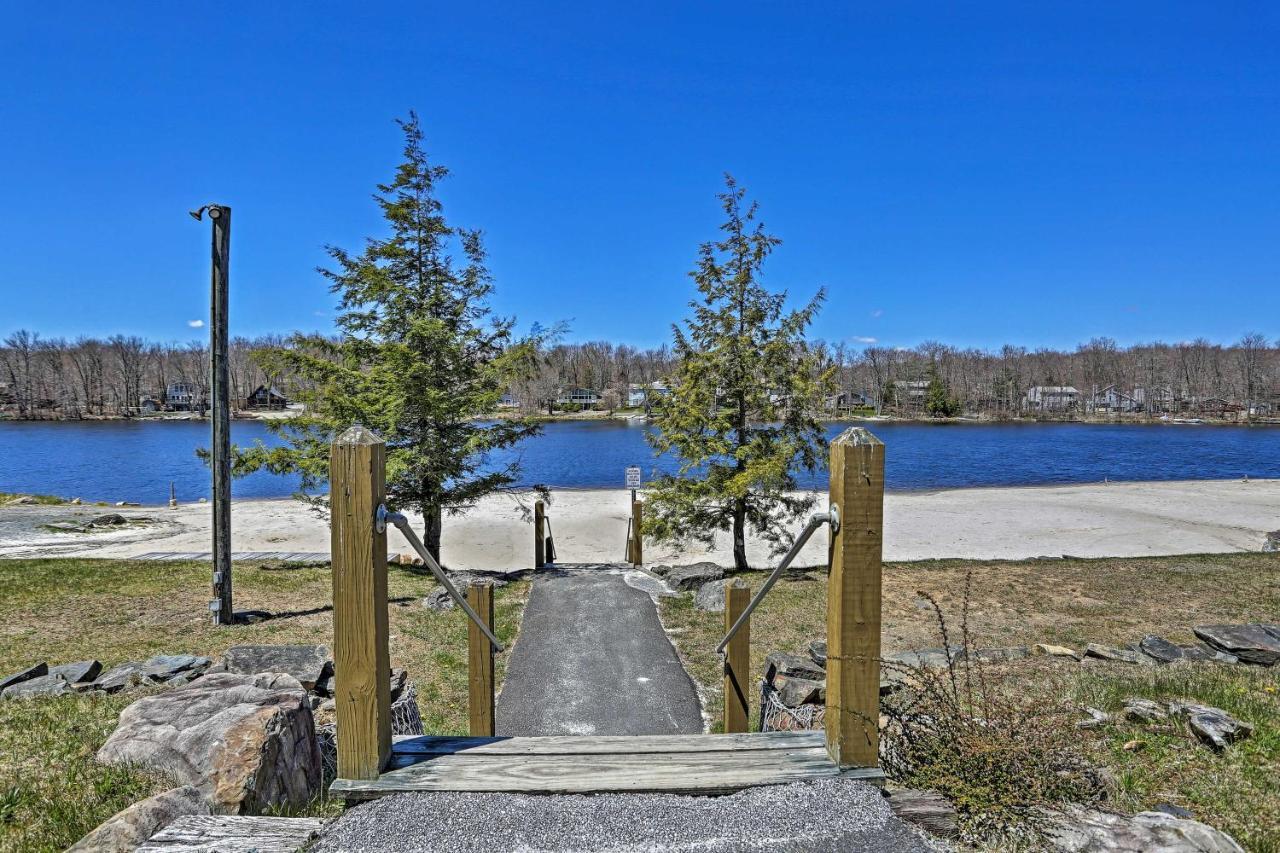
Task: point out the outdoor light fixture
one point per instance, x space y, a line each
215 211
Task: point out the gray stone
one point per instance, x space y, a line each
1141 710
710 596
1272 543
794 692
159 669
1081 830
246 741
1159 649
45 685
1097 650
33 671
1000 655
120 677
686 578
78 672
462 580
1171 809
1096 719
1256 643
818 652
791 666
65 527
438 600
1213 726
309 664
124 831
399 678
111 519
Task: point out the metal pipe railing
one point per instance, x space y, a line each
832 517
399 520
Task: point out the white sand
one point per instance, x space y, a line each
1119 520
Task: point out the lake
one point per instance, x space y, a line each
136 460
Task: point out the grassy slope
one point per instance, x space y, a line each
1071 602
51 792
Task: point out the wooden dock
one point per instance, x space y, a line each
672 764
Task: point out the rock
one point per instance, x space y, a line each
791 666
818 652
1096 719
1097 650
126 830
1272 543
155 670
1214 726
462 580
928 810
246 741
310 664
1144 710
65 527
1171 809
75 501
399 678
33 671
439 600
1001 655
45 685
1256 643
1050 650
326 713
23 500
660 570
1160 649
794 692
686 578
78 672
1081 830
936 658
111 519
710 596
1133 745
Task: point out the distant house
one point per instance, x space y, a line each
1219 406
150 405
848 401
1051 398
182 397
1112 399
264 397
508 401
1160 399
585 397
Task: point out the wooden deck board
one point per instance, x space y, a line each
207 833
687 764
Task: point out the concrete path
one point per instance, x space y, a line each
592 659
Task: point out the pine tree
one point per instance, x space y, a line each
740 415
419 356
938 403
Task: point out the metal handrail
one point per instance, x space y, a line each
832 517
384 515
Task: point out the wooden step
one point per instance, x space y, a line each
685 764
214 832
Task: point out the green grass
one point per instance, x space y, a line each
1069 602
58 611
51 500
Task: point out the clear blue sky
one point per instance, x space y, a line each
973 173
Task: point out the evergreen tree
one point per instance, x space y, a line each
740 415
418 358
938 403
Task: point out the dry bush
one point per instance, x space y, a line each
1001 752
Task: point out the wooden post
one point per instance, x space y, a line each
539 535
220 415
480 662
361 658
853 600
637 538
737 661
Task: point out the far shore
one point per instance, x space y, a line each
589 526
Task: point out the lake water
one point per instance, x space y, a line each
136 461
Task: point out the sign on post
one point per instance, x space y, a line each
633 476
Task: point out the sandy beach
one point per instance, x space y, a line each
1105 520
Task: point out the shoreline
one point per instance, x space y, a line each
1130 519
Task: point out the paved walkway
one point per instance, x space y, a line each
592 659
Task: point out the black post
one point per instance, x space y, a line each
220 416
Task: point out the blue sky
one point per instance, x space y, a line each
1037 173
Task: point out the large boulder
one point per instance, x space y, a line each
1083 830
309 664
125 830
710 596
79 672
1256 643
34 671
247 741
686 578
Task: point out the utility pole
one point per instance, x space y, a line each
220 382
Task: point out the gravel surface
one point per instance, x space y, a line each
824 815
592 659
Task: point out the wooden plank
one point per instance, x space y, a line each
480 662
853 600
737 661
539 535
207 833
220 409
706 773
637 535
357 470
424 745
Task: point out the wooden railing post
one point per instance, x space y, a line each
637 538
737 660
480 662
539 535
853 600
361 657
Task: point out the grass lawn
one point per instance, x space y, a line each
1070 602
52 792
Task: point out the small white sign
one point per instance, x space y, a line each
633 477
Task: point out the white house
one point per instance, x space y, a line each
1051 398
585 397
1112 399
